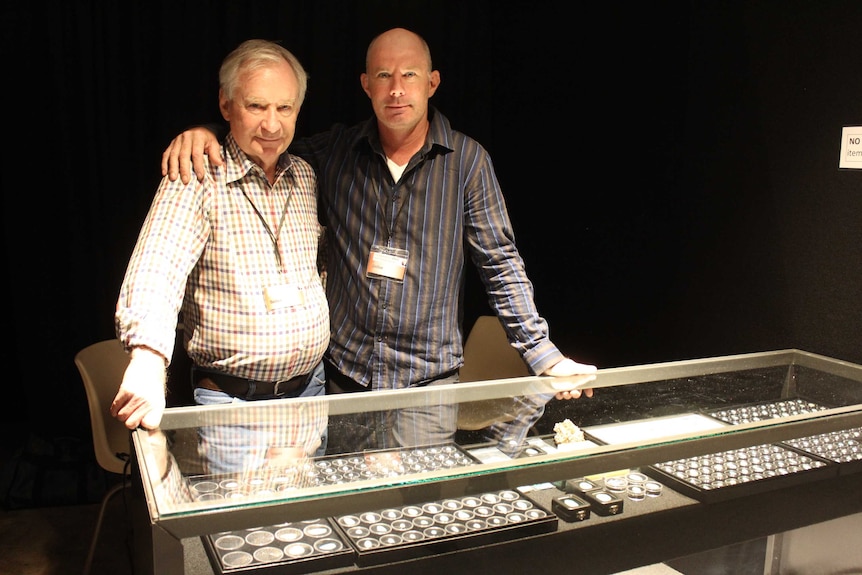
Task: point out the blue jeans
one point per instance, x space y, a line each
245 445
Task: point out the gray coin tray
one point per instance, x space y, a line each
287 548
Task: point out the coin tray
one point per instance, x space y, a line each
406 532
329 470
726 474
766 410
842 447
286 548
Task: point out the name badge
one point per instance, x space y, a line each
387 263
282 296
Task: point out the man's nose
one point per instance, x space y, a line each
270 121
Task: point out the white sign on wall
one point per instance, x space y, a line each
851 147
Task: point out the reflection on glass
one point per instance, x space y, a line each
165 477
431 423
256 453
277 434
506 421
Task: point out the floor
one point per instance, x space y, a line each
55 540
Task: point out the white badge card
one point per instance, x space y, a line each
387 263
282 296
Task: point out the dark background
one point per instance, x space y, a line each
671 168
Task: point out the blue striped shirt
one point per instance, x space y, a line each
446 206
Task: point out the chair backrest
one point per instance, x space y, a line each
102 366
488 354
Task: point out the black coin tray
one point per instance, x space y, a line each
726 474
287 548
329 470
765 410
842 447
410 531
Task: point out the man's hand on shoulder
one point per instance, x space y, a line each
186 153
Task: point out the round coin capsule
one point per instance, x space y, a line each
636 492
288 534
636 478
268 554
298 549
237 559
328 545
205 487
317 530
653 488
229 542
391 539
616 484
413 536
259 538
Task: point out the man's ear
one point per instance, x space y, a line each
363 80
224 105
434 82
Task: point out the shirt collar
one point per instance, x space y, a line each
438 137
239 164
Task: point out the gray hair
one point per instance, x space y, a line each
254 54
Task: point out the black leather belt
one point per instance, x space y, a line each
239 386
337 382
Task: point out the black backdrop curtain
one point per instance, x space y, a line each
96 90
606 122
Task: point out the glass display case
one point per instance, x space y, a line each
654 447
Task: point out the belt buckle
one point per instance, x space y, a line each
275 390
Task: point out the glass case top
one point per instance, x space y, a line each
472 435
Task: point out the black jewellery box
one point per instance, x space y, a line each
581 486
603 502
285 549
570 508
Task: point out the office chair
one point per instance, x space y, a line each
488 355
102 366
